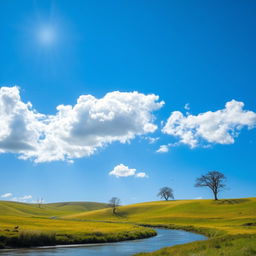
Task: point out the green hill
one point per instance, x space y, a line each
76 206
24 225
230 224
53 209
230 216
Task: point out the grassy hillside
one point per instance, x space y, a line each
77 206
54 209
23 225
230 224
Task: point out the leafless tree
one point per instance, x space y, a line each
114 202
40 201
214 180
166 193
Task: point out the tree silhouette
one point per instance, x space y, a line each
166 193
114 202
214 180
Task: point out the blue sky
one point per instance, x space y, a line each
200 53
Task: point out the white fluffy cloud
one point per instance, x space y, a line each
141 175
122 170
187 107
27 197
24 199
6 195
151 140
74 131
221 126
9 196
19 124
163 149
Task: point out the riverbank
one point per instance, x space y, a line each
230 224
27 225
164 238
228 245
26 239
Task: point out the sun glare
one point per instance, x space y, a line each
47 35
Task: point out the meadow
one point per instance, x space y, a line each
25 225
230 224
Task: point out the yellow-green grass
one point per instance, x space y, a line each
24 225
229 245
231 216
230 224
54 209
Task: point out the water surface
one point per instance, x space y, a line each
165 237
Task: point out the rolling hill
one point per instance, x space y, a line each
24 225
53 209
230 216
230 224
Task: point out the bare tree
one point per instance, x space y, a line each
166 193
214 180
40 201
114 202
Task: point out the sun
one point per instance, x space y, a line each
47 35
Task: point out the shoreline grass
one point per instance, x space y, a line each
27 225
227 245
25 239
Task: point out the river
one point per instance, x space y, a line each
165 237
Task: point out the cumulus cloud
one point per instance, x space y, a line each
19 124
27 197
221 126
6 195
151 140
23 199
74 131
163 149
141 175
122 170
187 106
9 196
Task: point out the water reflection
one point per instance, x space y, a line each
164 238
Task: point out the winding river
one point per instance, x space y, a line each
165 237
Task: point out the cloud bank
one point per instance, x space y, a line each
74 131
122 170
219 127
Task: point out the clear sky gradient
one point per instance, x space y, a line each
201 53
